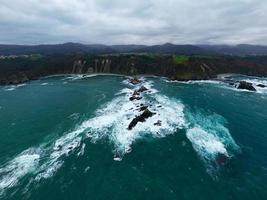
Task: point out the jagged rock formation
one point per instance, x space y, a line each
246 86
141 118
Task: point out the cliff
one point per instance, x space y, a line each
19 69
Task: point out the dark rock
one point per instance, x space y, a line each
58 148
232 83
246 86
158 123
221 159
134 81
159 106
135 98
136 93
142 89
141 118
261 85
143 108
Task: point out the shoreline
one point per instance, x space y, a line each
219 77
103 74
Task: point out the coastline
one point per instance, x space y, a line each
22 70
219 77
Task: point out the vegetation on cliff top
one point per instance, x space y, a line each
179 67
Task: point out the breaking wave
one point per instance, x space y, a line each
14 87
110 122
256 82
208 135
211 140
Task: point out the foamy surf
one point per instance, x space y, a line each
211 140
112 120
110 123
255 81
14 87
16 169
208 135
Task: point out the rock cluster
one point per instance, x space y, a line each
144 109
136 94
246 86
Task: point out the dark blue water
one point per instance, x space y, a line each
67 138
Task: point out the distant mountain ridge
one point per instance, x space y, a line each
168 48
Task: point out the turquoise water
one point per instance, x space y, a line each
66 137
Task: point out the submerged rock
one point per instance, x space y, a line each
221 159
232 83
246 86
261 85
141 118
158 123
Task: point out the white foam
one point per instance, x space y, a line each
204 143
251 79
210 139
14 87
112 120
194 81
62 147
17 168
74 77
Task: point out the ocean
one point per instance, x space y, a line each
67 137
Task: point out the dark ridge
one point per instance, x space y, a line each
168 48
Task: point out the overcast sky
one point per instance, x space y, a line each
133 21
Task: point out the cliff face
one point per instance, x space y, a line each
18 70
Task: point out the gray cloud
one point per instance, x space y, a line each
133 21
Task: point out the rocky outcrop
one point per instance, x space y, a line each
141 118
158 123
134 81
261 85
246 86
142 89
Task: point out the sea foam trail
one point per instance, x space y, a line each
110 122
208 135
24 163
14 87
211 140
